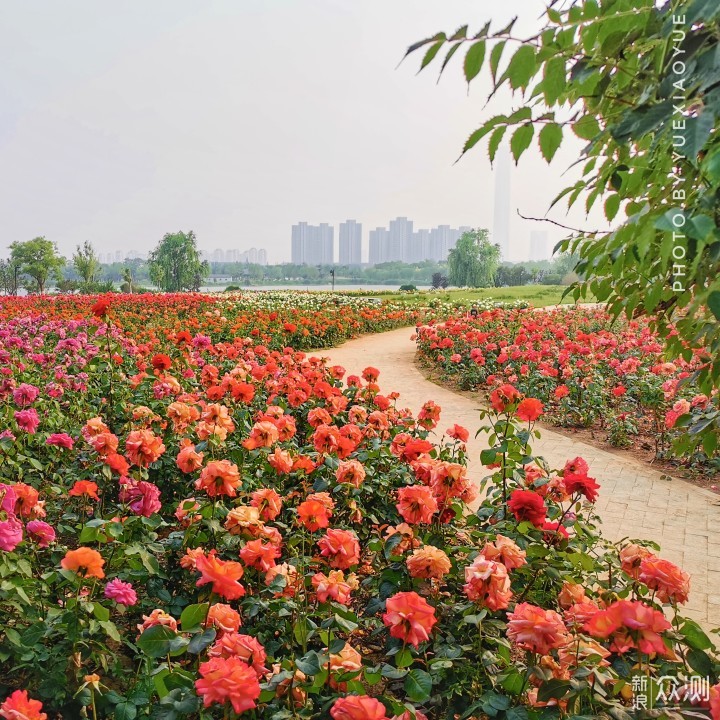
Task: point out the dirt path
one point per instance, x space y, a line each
634 499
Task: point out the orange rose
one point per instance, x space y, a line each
84 561
223 574
428 562
219 477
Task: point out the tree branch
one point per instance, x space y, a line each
565 227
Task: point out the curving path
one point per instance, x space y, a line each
634 499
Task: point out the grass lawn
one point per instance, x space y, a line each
537 295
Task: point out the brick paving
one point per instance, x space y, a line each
635 500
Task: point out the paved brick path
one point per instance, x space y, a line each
634 501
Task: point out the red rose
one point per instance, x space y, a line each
527 505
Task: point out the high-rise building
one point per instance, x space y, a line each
350 243
539 246
399 242
501 215
401 235
379 246
312 244
262 257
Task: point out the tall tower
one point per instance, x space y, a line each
501 214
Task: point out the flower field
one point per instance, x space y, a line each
198 519
587 372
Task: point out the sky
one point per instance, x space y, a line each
238 118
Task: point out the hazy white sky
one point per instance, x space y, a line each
237 118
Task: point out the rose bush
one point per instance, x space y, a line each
586 369
194 527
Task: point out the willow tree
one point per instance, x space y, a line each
639 83
175 263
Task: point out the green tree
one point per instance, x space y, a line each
87 265
473 261
9 276
175 263
39 260
127 280
639 82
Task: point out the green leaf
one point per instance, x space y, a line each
418 685
550 138
495 140
554 688
554 79
713 303
612 205
193 616
156 641
495 55
100 612
695 135
521 140
695 636
700 662
111 630
125 711
522 67
433 51
474 60
586 128
404 658
200 641
310 663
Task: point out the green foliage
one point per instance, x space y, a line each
86 265
38 259
175 263
640 83
473 261
9 276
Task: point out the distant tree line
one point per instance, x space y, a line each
175 265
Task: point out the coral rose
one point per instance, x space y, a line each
143 447
334 586
313 515
409 617
631 557
340 547
358 707
631 625
243 647
537 630
259 555
228 680
19 706
506 551
671 583
268 502
487 583
351 472
223 617
416 504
